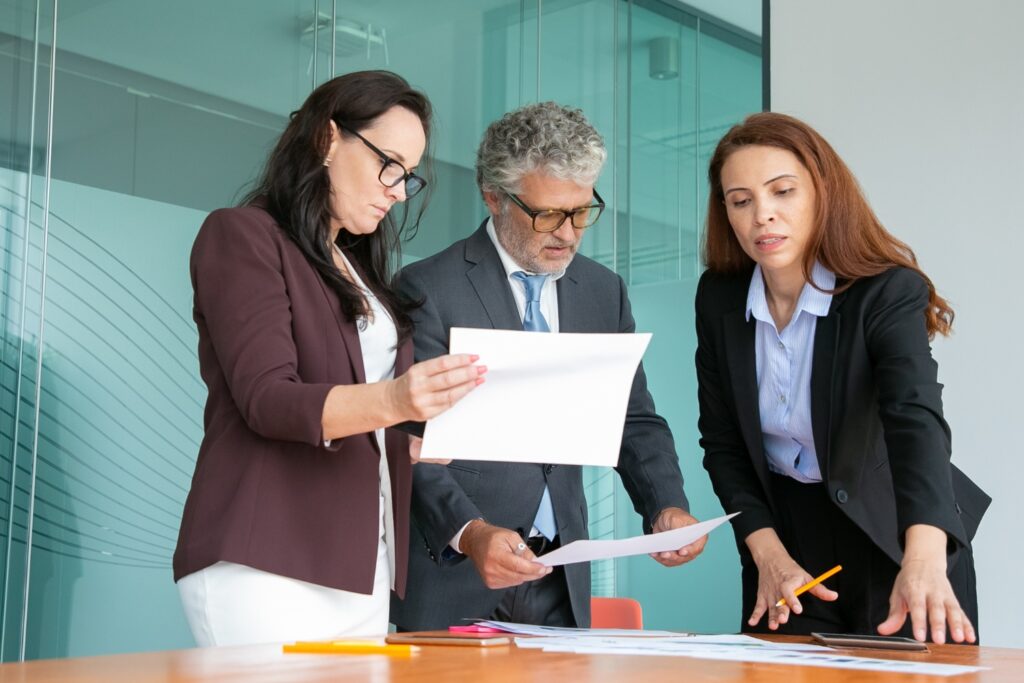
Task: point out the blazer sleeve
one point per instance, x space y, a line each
242 300
726 456
917 437
439 505
648 463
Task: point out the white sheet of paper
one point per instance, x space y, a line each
675 643
588 551
727 648
558 399
569 632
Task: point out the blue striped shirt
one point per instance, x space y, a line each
784 375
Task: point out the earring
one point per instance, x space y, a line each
327 161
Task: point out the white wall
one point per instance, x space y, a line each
924 99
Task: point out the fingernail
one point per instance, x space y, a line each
481 369
473 358
480 380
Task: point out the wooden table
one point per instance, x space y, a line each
255 664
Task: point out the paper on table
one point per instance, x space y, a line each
675 642
588 551
768 653
570 632
558 399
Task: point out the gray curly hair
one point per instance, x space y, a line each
545 136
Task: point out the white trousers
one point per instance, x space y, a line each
232 604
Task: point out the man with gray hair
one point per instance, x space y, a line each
536 169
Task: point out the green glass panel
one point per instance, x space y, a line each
162 112
674 130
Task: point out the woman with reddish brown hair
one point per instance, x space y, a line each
820 410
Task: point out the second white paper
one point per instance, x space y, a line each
549 398
588 551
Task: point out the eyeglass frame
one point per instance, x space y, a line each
388 160
533 213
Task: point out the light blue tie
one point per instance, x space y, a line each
533 321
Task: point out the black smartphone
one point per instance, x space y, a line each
876 642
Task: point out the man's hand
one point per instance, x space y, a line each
496 554
673 518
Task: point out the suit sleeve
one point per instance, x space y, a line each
648 463
917 437
439 505
726 457
241 298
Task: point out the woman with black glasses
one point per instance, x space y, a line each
297 523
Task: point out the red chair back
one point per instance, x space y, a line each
616 613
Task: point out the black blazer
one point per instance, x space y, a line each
876 411
466 286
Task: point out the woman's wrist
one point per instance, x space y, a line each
925 543
390 406
358 408
765 545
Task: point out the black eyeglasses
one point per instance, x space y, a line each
549 220
392 172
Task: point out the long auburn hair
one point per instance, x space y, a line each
295 188
848 238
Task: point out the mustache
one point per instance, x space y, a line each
559 244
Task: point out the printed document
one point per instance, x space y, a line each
588 551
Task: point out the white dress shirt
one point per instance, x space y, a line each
548 306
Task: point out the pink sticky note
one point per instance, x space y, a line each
473 628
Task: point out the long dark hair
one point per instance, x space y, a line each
848 238
296 190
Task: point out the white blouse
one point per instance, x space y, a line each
378 339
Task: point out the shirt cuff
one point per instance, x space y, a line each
454 543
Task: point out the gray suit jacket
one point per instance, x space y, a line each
466 286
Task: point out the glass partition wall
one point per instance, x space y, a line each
123 123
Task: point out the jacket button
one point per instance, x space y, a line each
547 470
842 496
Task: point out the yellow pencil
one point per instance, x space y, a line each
350 647
811 584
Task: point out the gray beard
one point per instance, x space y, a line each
517 246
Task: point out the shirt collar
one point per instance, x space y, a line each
507 261
811 299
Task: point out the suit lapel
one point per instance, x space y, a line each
404 357
571 313
490 282
823 365
742 368
348 331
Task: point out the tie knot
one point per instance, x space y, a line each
532 283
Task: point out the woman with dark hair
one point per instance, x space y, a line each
820 411
297 523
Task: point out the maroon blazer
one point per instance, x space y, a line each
266 493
